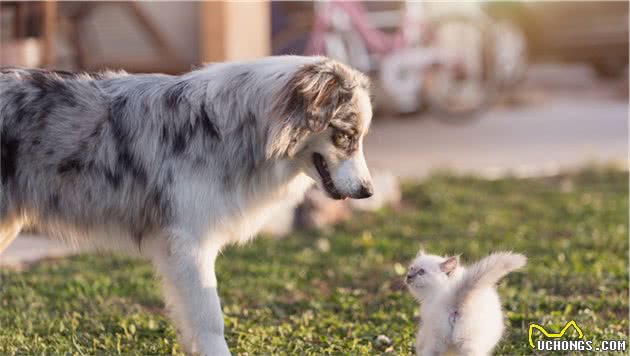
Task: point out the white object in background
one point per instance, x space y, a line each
335 48
401 75
386 193
511 52
21 53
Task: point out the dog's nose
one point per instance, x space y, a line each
366 191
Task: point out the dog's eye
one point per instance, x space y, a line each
420 271
342 139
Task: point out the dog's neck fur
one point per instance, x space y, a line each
268 181
246 102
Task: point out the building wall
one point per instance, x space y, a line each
111 33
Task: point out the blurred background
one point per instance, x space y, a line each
485 88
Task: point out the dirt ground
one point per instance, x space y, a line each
561 117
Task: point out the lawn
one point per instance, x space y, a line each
335 291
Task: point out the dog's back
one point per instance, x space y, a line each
111 150
76 150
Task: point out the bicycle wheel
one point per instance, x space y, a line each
462 81
510 53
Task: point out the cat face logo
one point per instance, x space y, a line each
551 342
553 335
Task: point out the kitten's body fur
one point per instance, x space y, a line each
460 309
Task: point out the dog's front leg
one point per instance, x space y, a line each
190 288
9 229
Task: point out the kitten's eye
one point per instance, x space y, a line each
420 271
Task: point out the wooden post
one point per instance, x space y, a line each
234 30
49 32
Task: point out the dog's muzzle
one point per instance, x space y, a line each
324 174
365 189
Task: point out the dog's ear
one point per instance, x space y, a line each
316 92
307 103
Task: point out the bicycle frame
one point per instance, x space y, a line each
401 59
376 41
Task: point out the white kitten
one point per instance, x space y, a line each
460 309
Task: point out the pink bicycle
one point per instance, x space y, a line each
444 63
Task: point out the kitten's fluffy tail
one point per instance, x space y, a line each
487 272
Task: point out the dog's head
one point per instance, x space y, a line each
324 113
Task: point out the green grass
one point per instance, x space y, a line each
293 296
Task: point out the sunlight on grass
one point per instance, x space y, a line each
292 296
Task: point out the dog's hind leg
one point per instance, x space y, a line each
190 290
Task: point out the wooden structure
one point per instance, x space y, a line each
227 31
23 37
232 30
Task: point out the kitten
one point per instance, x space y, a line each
460 309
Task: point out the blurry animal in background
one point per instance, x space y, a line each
460 311
176 167
317 211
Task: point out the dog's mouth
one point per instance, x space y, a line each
324 173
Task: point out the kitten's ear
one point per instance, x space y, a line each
420 252
450 264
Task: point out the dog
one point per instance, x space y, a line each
174 168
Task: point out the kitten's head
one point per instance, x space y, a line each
428 273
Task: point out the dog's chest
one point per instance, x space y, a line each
258 210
